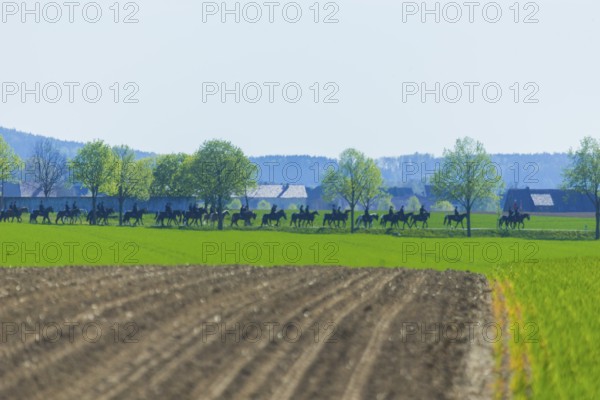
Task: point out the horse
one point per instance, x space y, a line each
391 218
61 215
161 216
45 214
212 218
102 216
336 218
11 214
450 218
518 220
504 220
419 218
138 216
268 218
303 219
247 217
367 220
193 217
395 219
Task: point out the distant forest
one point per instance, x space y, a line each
537 171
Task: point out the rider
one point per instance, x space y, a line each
456 211
242 209
307 210
135 208
391 211
401 212
274 209
301 209
67 209
41 207
422 210
168 209
74 206
339 210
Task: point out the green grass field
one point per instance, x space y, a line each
552 284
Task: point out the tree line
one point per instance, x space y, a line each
218 171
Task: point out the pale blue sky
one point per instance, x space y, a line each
368 54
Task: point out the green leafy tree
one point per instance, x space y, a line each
442 205
355 180
583 174
94 167
218 171
373 187
384 202
234 204
132 178
413 204
169 176
467 176
9 162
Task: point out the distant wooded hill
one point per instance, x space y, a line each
22 143
537 171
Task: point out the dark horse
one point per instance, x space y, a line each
366 220
303 219
247 217
414 219
102 216
459 219
137 216
12 214
518 220
395 219
45 214
336 219
268 218
513 221
171 217
194 217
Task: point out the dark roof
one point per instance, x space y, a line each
548 200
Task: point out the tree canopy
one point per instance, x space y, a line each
467 176
583 175
356 179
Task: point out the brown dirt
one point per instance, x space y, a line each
242 333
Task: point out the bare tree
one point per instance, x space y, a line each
49 166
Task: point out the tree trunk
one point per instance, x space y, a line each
93 219
121 201
352 219
220 213
469 222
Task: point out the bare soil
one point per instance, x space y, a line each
243 333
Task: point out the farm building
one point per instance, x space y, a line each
281 195
548 201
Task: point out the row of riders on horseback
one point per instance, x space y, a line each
395 218
200 215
